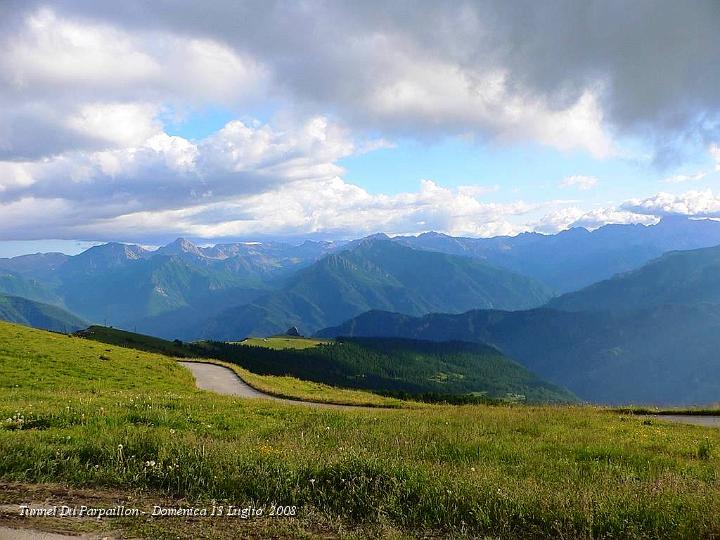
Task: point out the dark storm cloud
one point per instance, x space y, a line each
654 64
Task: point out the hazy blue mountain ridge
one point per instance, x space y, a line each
39 315
377 273
575 258
664 355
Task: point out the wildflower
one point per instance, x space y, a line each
120 446
312 481
172 432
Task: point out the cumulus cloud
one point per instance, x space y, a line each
69 85
170 172
572 216
84 87
251 180
693 203
638 67
567 74
330 208
579 181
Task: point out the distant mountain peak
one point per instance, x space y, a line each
181 246
377 236
184 244
117 249
433 234
373 239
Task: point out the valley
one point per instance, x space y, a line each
503 292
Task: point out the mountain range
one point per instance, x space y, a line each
38 315
377 273
679 278
235 289
625 313
575 258
647 336
663 356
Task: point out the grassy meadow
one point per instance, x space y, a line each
285 342
335 370
93 415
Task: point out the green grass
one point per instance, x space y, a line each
280 386
411 369
285 342
323 370
88 414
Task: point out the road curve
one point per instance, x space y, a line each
225 381
693 419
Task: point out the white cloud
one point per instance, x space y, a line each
93 69
83 86
69 86
169 172
579 181
333 208
117 124
682 178
442 94
692 203
251 179
572 216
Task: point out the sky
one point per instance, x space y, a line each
217 121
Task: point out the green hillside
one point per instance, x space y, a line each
666 355
406 367
133 340
13 284
131 425
285 342
158 294
24 311
680 277
376 274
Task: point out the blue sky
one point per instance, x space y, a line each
143 123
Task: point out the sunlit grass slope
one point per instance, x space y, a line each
285 342
280 386
89 414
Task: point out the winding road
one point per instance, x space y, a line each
693 419
225 381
